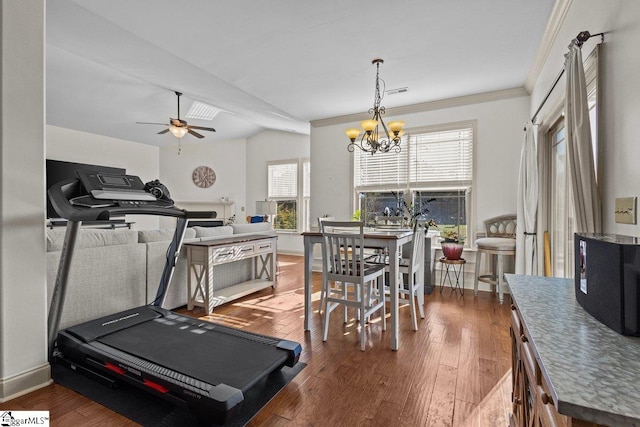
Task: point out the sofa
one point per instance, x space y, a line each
117 269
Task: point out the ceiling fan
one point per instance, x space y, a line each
179 127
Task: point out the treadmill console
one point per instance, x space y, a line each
108 190
109 186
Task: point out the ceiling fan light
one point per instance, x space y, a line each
178 131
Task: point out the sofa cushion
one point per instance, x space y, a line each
223 230
164 235
91 238
251 228
156 260
102 280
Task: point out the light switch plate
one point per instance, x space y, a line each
626 210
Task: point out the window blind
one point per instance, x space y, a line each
381 170
431 158
283 180
441 158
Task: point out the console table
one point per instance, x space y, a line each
202 256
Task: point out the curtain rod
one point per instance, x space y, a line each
582 37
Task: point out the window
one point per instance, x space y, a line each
306 194
562 218
431 177
377 203
288 186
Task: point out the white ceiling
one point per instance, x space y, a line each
275 64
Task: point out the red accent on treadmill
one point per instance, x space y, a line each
155 386
114 368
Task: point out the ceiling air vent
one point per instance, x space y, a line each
397 91
202 111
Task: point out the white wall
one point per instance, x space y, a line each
81 147
499 135
620 102
241 173
271 146
226 158
23 299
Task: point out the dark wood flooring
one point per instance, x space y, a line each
454 371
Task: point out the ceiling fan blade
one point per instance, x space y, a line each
196 134
147 123
163 131
202 128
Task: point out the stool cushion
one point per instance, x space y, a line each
496 243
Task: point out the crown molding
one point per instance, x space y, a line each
428 106
558 14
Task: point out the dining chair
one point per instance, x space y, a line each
350 281
410 274
325 265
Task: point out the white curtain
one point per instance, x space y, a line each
526 253
581 167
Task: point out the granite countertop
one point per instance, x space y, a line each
593 372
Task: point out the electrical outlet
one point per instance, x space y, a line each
626 210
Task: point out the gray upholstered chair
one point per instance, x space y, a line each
500 242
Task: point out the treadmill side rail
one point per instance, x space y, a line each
293 348
94 329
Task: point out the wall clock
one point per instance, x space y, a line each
203 176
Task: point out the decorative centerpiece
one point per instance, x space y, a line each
411 213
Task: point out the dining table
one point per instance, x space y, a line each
390 239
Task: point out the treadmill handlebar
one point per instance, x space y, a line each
61 193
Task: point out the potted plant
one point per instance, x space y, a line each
451 245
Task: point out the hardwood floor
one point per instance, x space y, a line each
454 371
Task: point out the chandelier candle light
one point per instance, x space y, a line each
372 139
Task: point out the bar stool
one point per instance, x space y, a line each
500 242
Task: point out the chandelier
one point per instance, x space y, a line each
373 138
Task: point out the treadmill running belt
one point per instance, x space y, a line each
208 352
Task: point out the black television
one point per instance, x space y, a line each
57 171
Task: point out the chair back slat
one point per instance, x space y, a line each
344 245
501 226
417 252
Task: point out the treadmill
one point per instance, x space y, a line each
203 366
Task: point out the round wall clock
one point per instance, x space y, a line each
203 176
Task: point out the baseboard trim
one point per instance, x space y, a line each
24 383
